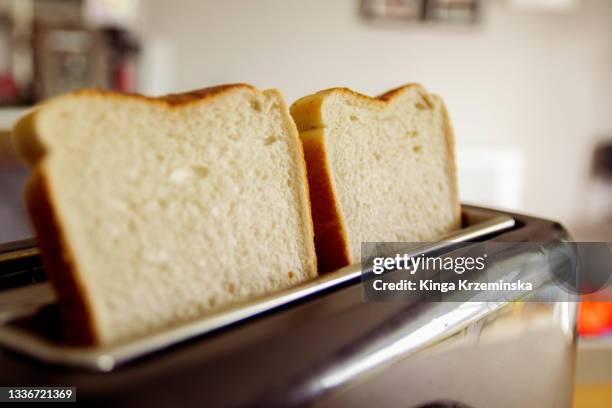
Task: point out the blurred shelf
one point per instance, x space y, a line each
8 117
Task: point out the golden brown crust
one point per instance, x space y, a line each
331 242
308 213
395 92
77 316
384 98
315 272
170 100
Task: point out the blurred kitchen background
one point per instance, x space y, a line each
528 83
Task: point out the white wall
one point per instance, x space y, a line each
540 83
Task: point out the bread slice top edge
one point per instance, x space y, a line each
31 149
308 110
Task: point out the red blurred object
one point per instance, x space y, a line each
9 92
594 318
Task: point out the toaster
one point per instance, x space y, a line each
318 344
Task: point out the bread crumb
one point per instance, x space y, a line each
256 105
290 275
427 100
269 140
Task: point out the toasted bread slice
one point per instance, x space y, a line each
152 212
379 169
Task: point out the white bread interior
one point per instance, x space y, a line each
166 209
384 167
